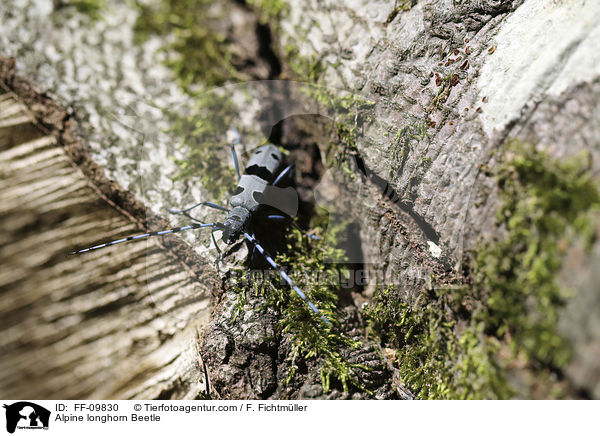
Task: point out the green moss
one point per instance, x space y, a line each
315 267
309 336
545 202
306 69
405 5
403 142
442 94
203 133
433 361
348 112
198 52
459 342
271 11
91 8
399 7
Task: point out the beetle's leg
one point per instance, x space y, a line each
187 215
308 235
287 278
282 218
253 252
282 174
234 154
202 203
212 235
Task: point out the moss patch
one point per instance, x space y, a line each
434 361
271 11
203 133
461 342
310 338
197 50
91 8
545 203
200 57
348 112
196 44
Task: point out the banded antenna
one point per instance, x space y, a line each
149 234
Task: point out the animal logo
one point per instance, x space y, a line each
26 415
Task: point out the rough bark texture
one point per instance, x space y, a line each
479 72
110 325
471 73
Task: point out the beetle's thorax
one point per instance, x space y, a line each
261 170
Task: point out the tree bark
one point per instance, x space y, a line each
450 83
113 324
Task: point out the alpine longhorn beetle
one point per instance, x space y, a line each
258 186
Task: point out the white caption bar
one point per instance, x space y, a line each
41 417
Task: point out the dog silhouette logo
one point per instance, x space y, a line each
26 415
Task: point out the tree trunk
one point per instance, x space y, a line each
437 91
115 324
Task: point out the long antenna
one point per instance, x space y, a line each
237 140
286 277
147 235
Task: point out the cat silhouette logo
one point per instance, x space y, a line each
26 415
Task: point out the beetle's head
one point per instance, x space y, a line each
235 224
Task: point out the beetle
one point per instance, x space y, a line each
258 188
